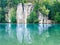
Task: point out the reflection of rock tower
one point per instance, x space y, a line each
23 34
22 16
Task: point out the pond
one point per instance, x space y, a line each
29 34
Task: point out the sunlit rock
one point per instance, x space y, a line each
22 16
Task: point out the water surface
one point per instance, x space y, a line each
30 34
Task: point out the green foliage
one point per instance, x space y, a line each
32 18
56 6
54 9
44 11
34 15
2 16
50 8
57 17
13 15
23 1
36 6
0 10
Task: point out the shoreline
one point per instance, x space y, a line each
30 23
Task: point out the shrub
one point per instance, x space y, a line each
32 18
57 17
13 15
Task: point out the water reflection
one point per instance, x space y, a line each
26 33
23 34
54 28
8 28
2 31
43 27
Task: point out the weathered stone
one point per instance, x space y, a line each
7 16
46 20
22 16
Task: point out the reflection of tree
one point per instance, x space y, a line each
54 30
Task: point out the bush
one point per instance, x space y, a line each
57 17
13 15
54 8
2 16
32 18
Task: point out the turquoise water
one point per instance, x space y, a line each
30 34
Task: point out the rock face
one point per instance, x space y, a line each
22 16
41 17
24 11
7 16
